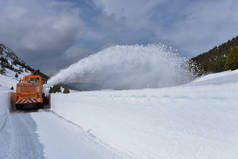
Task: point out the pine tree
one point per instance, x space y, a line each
2 70
66 90
55 89
232 59
51 90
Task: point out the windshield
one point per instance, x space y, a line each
33 80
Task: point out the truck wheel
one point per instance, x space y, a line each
12 101
19 106
47 102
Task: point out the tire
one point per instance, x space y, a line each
47 102
19 106
12 101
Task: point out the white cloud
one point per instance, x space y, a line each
51 33
193 26
206 25
38 26
40 31
136 12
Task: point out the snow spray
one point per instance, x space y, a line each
129 67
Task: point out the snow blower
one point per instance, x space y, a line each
29 94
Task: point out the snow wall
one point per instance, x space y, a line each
129 67
5 133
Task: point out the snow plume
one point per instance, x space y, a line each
129 67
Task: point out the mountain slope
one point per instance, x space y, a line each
12 66
11 63
213 61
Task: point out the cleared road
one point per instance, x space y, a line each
40 135
18 138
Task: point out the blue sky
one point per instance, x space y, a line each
52 34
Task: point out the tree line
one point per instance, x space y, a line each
220 58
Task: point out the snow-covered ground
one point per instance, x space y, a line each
62 139
42 135
197 120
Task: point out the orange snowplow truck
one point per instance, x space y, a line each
29 94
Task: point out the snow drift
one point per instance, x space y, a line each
193 121
126 67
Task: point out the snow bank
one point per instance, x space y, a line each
7 81
217 78
4 126
185 122
63 140
3 108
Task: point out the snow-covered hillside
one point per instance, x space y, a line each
9 55
196 120
10 64
12 68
